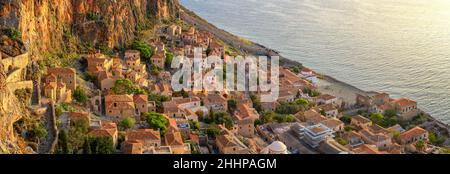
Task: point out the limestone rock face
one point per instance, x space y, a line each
46 25
50 25
10 112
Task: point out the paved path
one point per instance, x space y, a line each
49 146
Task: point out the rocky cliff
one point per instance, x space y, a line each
48 25
10 112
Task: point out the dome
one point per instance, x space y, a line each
277 147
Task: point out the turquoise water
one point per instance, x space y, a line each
401 47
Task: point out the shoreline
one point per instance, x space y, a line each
250 47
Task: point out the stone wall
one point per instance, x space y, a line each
20 61
19 85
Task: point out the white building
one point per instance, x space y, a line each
277 147
316 134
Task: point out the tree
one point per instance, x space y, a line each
232 105
101 145
195 125
87 147
290 118
287 108
302 102
420 145
213 131
145 49
224 118
267 117
346 119
376 118
181 93
88 76
285 118
435 140
125 86
39 131
13 33
156 121
342 141
80 95
256 103
296 69
128 122
158 99
154 70
390 113
63 145
91 16
169 58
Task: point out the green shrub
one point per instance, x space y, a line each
156 121
145 49
13 33
128 122
91 16
80 95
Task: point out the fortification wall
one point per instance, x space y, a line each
20 61
20 85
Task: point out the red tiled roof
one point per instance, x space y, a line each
405 102
140 99
414 132
73 116
174 138
143 134
61 71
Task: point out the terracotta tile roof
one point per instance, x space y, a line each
172 125
186 100
110 127
312 116
246 112
140 99
132 54
414 132
142 135
376 137
102 75
74 116
326 97
332 123
402 102
132 147
121 101
159 55
51 78
173 138
361 119
51 85
61 71
216 98
367 149
99 133
226 140
327 107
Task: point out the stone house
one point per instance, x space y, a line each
119 106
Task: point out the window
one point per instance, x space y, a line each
115 104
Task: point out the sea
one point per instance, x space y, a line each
401 47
